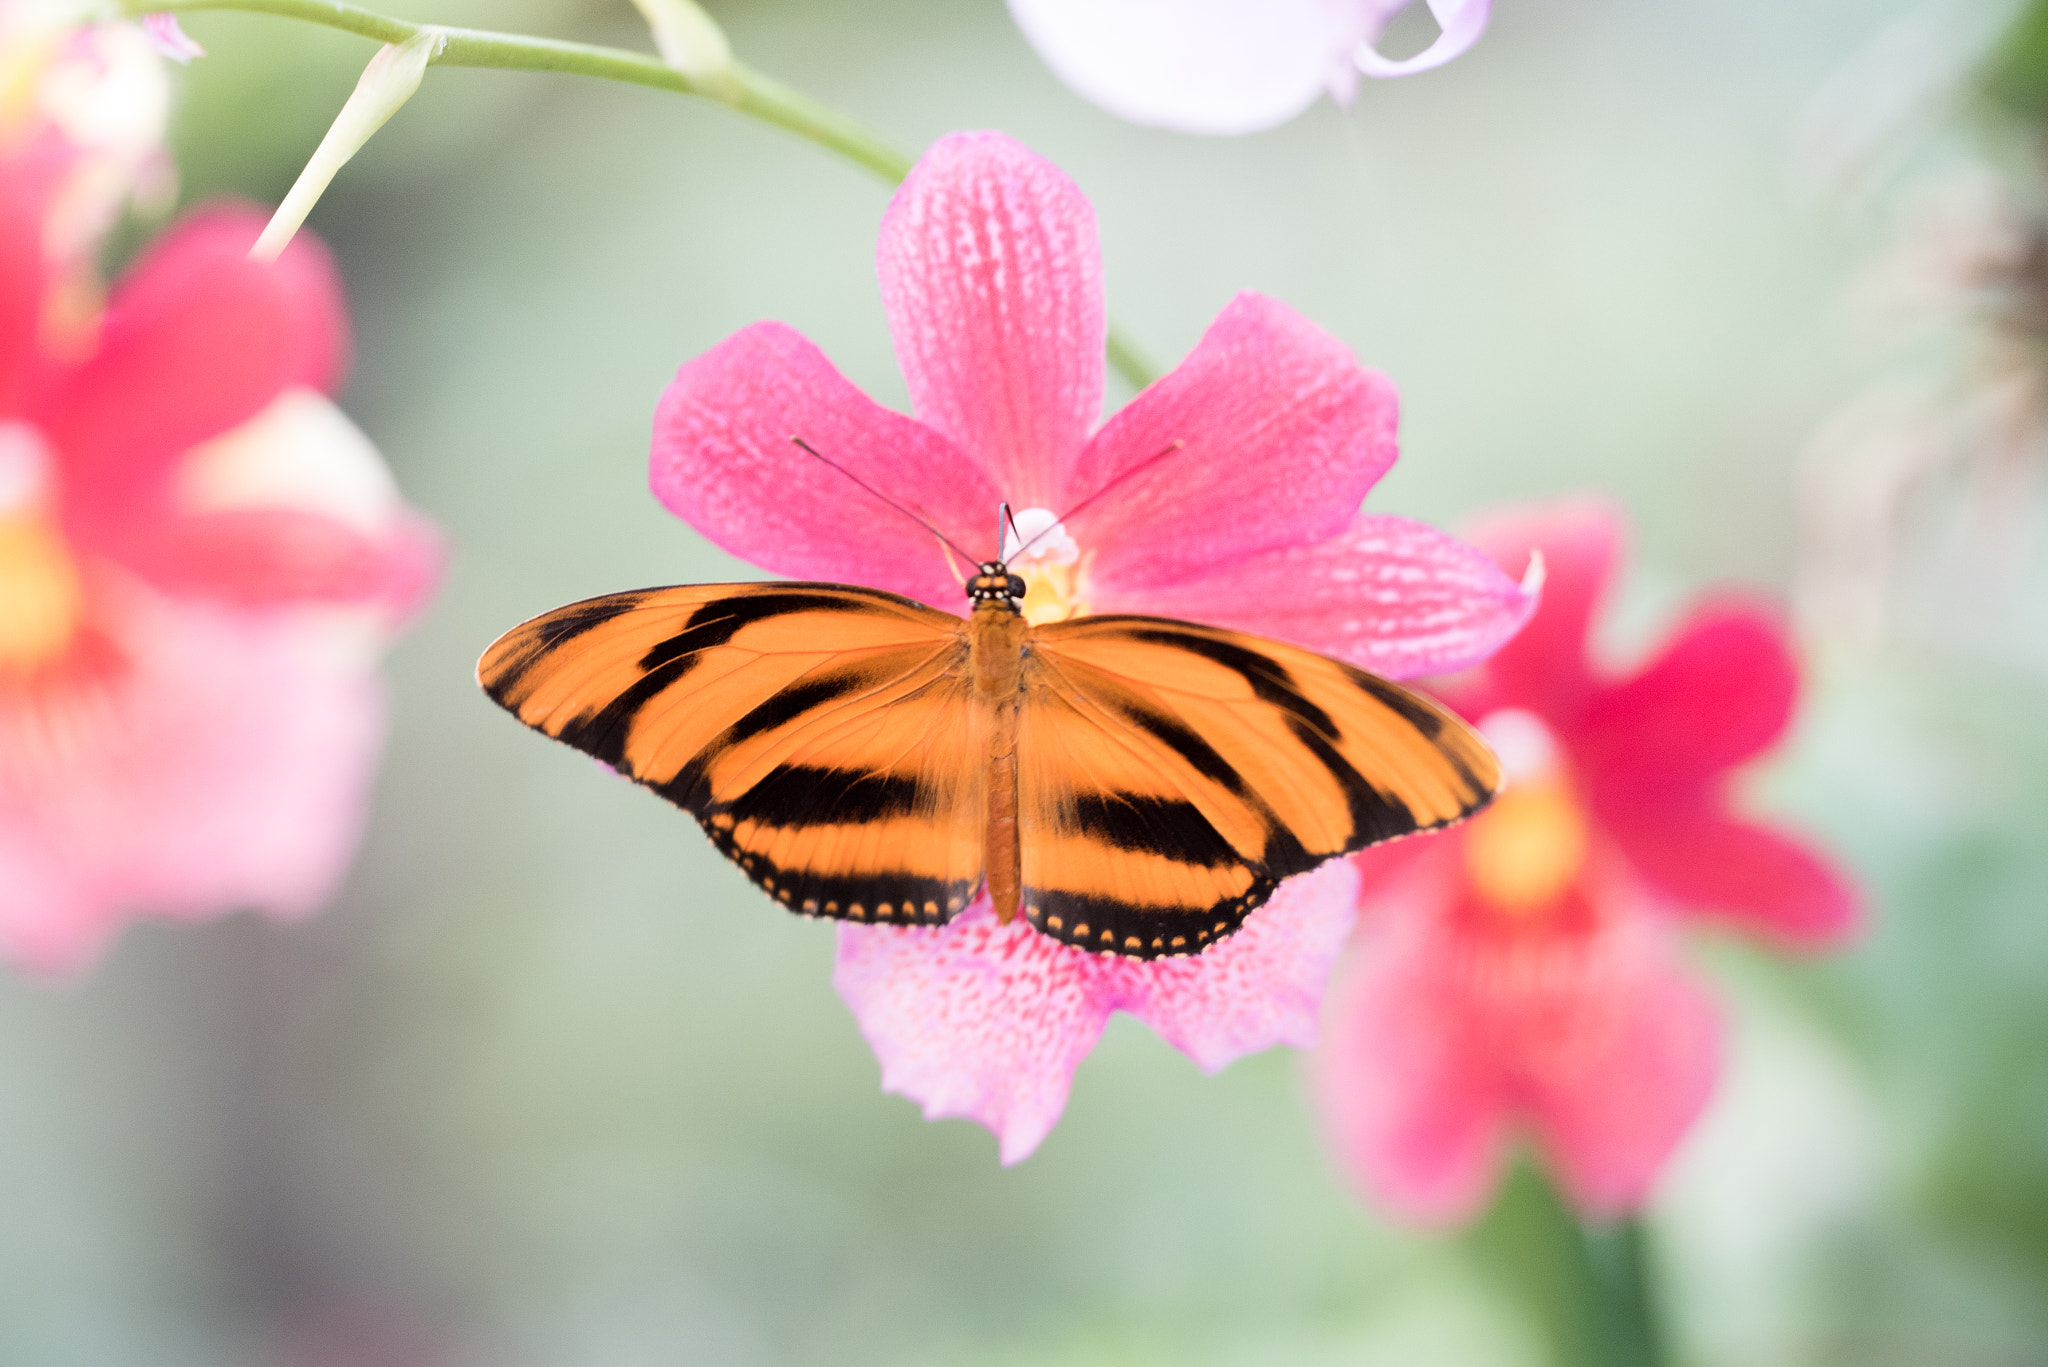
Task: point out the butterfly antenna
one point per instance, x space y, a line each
1006 529
1142 466
913 516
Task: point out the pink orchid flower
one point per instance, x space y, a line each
1521 973
1230 66
199 559
991 278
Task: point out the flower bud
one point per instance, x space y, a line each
690 40
387 82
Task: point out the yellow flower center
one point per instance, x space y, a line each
41 597
41 594
1524 851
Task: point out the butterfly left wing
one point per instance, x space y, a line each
1170 775
820 733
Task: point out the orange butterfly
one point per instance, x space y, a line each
1129 783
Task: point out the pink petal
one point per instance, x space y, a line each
26 184
1410 1097
1545 667
197 339
988 1022
222 763
1284 434
1711 863
1720 693
1393 596
1194 66
992 280
1261 987
275 556
169 39
1460 24
723 461
1454 1026
975 1020
1611 1124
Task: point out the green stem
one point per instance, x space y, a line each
1625 1299
743 89
1587 1288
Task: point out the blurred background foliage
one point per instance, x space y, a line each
550 1086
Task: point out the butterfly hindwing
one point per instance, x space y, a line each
821 734
1170 775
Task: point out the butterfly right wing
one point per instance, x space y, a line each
823 735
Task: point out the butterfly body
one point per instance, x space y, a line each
1128 784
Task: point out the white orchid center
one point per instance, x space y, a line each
1039 551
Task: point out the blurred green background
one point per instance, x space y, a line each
550 1085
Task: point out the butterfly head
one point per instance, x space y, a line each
993 583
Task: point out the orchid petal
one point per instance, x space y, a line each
1454 1023
1545 668
988 1022
1387 594
975 1020
1460 24
225 763
1194 66
1714 864
1260 987
992 280
1612 1123
197 340
1282 434
724 462
1721 692
1409 1094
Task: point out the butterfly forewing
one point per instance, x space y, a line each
1171 774
821 734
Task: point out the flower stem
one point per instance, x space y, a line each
1618 1256
1587 1288
744 90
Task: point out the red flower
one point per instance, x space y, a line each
1521 972
199 557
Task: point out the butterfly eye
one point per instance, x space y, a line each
1014 586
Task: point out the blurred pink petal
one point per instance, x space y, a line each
723 462
1194 66
1456 1027
1546 666
992 281
197 339
1394 596
1719 694
988 1022
1284 435
1714 864
170 40
1460 24
214 761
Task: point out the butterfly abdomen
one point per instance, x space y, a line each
996 636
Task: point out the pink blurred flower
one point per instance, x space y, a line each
1230 66
95 98
171 40
1521 973
992 282
199 560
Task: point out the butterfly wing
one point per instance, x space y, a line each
821 734
1170 775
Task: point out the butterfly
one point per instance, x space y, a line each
1126 783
